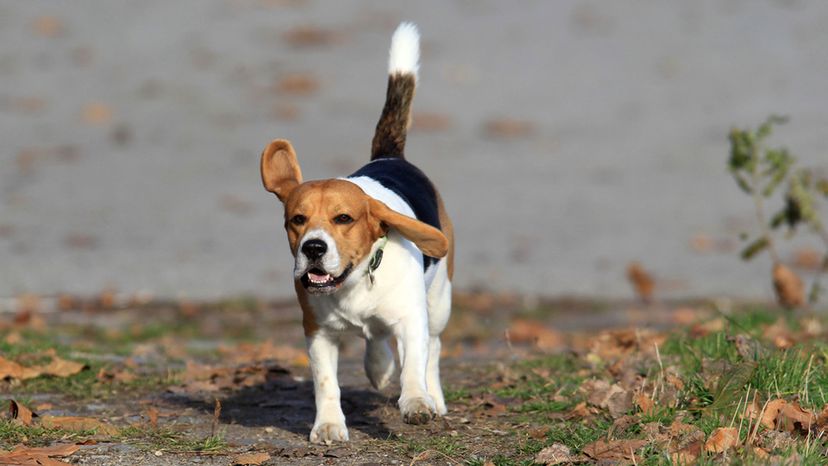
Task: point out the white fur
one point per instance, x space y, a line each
400 303
404 56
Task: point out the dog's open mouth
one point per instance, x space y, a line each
317 280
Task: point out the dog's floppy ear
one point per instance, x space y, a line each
280 170
431 241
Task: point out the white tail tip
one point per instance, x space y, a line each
404 56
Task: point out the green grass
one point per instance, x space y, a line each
716 381
12 433
442 443
169 440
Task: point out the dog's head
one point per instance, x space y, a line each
332 224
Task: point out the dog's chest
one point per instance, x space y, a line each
371 309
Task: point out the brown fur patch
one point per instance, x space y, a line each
448 229
389 138
308 317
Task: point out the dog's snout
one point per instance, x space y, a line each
314 248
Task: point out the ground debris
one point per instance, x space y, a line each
28 456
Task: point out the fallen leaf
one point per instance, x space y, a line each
254 458
10 369
808 258
794 418
610 397
59 367
152 417
96 113
527 331
771 413
425 121
790 291
48 26
13 338
77 423
613 449
722 439
760 452
644 403
641 280
557 453
309 36
503 128
687 454
115 375
298 84
20 413
42 456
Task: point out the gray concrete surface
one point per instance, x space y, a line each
157 187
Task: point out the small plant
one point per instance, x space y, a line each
760 171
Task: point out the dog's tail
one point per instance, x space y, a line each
389 138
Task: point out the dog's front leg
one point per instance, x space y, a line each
416 405
329 425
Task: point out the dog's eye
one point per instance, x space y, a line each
298 219
343 219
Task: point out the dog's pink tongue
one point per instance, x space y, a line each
318 278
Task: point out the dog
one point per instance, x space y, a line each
374 256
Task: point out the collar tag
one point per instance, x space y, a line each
376 260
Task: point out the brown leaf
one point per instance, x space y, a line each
760 452
790 291
48 26
793 417
527 331
613 449
96 114
298 84
254 458
687 454
429 121
27 456
10 369
808 258
644 403
152 416
641 280
77 423
503 128
20 413
115 375
557 453
722 439
772 410
610 397
61 367
309 36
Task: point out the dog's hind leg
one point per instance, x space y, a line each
435 389
379 362
439 308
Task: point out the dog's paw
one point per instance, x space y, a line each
329 432
418 410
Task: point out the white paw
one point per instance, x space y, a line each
417 410
440 406
329 432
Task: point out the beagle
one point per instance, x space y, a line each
373 257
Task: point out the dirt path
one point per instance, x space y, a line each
186 383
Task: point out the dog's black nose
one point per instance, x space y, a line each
314 248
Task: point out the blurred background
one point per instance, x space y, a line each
568 138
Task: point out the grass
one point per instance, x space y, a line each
13 433
169 440
716 379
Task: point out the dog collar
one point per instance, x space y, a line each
376 259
